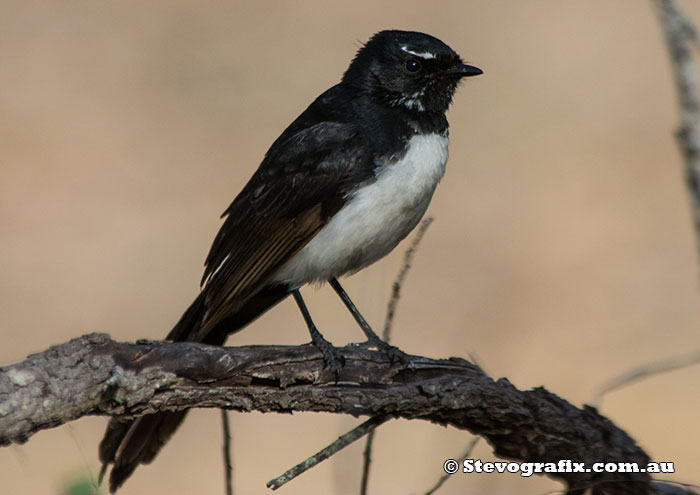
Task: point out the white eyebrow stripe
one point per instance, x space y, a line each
425 55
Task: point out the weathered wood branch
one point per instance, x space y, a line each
680 34
96 375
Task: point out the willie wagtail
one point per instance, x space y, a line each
338 190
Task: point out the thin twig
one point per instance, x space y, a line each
228 464
342 442
396 291
689 28
386 334
366 462
644 371
677 30
669 487
467 452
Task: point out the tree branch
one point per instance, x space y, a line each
677 29
96 375
228 464
342 442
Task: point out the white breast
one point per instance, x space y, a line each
375 218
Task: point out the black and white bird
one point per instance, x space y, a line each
337 191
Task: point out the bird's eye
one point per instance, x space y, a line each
413 65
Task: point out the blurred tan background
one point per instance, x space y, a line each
562 251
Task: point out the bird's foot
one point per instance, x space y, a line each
394 354
331 356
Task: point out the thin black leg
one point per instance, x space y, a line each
330 354
371 336
394 353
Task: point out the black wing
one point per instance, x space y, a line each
298 187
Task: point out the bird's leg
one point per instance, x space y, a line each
373 340
330 353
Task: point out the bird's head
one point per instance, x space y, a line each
407 69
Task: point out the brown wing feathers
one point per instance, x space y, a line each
284 205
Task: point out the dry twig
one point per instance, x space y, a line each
678 30
396 287
342 442
645 371
467 452
386 333
228 464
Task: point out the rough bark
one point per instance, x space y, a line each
96 375
680 34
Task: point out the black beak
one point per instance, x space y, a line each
463 70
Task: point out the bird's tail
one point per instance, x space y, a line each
128 443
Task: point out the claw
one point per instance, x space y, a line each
331 357
394 354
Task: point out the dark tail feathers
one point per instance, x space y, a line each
128 443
